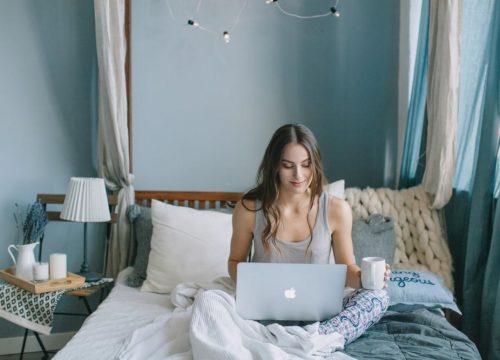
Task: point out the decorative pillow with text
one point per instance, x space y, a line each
408 289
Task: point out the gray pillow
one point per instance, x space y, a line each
140 218
374 236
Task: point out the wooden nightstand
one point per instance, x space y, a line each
82 294
57 200
36 312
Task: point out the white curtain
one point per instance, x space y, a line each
113 146
442 98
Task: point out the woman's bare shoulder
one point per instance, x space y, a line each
338 204
245 209
244 217
246 205
339 210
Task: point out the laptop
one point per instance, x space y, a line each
289 292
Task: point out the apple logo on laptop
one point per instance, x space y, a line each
290 293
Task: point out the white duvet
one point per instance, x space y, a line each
131 324
123 311
205 325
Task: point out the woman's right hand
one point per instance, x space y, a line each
387 275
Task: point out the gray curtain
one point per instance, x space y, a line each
113 146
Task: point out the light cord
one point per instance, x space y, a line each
226 34
329 13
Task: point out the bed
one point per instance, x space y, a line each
414 327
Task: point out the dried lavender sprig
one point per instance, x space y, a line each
34 223
30 224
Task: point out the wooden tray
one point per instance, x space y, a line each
72 281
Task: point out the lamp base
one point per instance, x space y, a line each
90 276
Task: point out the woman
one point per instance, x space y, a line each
290 219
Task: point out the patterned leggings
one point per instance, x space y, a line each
361 310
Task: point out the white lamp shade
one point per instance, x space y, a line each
86 201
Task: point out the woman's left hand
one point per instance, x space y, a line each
387 275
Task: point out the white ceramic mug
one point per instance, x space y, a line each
372 273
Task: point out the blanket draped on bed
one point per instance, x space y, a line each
205 325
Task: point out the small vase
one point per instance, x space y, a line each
24 261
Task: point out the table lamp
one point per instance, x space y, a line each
86 201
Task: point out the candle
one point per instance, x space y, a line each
41 271
57 267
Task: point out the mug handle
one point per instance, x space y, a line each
10 252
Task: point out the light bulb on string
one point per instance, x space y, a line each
225 34
334 11
196 25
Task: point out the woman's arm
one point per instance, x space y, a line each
340 218
243 224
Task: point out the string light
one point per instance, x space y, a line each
196 25
225 34
333 11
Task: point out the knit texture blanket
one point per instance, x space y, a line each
420 233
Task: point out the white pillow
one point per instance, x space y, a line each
336 188
187 245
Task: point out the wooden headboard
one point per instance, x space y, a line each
193 199
58 200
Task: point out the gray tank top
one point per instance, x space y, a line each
295 252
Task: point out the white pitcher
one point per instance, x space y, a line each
25 260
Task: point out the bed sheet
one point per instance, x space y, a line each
418 334
104 331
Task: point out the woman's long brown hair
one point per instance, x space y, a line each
267 188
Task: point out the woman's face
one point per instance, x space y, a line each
295 169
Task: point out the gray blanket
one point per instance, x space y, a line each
419 334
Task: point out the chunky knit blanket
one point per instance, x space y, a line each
420 234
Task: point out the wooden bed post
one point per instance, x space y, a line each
128 77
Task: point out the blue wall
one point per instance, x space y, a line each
47 98
204 110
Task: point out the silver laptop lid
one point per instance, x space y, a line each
299 292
